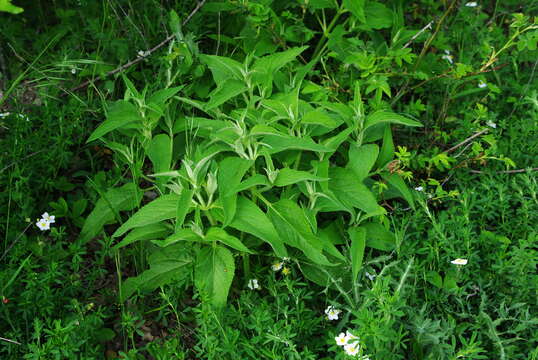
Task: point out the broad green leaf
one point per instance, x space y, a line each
435 279
294 228
378 237
231 171
334 142
226 91
320 117
214 273
350 190
377 16
166 266
396 181
198 125
362 159
380 117
286 142
180 235
160 153
272 63
255 180
161 96
218 234
250 219
107 208
223 68
387 149
7 6
358 243
162 208
149 232
356 7
120 114
287 176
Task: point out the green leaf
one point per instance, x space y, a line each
287 176
356 7
121 114
161 96
435 279
362 159
184 205
162 208
358 243
255 180
107 209
218 234
160 153
270 64
378 237
320 117
351 192
294 228
387 149
179 235
222 68
149 232
380 117
214 273
377 16
225 91
396 181
168 265
250 219
7 6
231 171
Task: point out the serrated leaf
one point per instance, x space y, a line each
250 219
358 244
121 114
362 159
162 208
380 117
214 273
287 176
107 207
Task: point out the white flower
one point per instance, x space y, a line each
341 339
448 57
472 4
370 276
419 188
43 224
73 71
4 114
48 218
352 349
332 313
491 124
459 262
277 266
350 336
482 84
253 284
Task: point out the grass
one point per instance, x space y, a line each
63 298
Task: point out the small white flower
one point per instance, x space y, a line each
253 284
43 224
48 218
4 114
419 188
482 84
472 4
332 313
491 124
448 58
459 262
277 266
370 276
73 71
352 349
341 339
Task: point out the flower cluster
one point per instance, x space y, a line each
351 344
45 221
280 265
332 313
